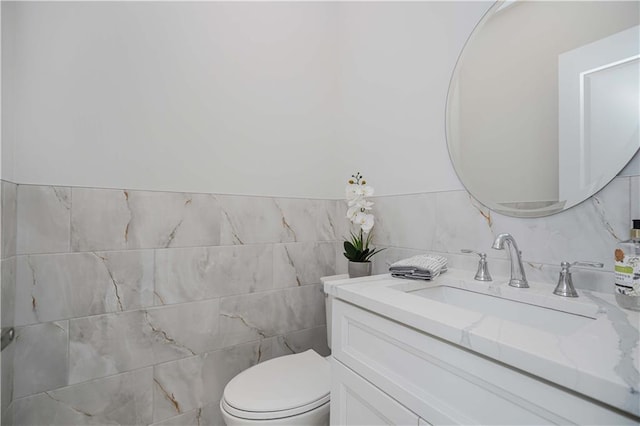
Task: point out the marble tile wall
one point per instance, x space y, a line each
137 307
445 222
8 241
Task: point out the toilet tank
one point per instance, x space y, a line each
328 299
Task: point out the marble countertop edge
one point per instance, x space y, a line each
560 359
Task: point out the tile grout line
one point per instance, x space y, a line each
70 215
153 366
120 250
171 305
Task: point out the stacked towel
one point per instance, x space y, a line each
421 267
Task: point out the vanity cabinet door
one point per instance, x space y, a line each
447 384
355 401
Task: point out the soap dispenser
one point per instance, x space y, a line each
627 270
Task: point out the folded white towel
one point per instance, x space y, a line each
421 267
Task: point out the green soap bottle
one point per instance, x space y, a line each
627 270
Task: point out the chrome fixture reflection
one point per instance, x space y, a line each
565 283
6 337
483 267
518 278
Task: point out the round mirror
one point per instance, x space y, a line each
543 108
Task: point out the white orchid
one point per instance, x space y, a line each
365 221
361 203
352 212
357 191
352 191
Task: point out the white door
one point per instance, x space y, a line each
599 112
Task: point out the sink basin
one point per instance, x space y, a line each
543 318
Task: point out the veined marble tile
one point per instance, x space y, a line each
254 220
8 284
43 216
178 388
188 274
212 416
100 219
463 223
405 221
296 264
40 362
308 220
115 343
588 231
341 223
6 381
251 220
635 197
192 383
195 326
341 261
125 399
267 314
9 218
299 341
104 219
7 416
189 418
60 286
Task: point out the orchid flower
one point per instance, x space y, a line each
365 221
357 191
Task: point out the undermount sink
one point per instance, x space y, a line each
543 318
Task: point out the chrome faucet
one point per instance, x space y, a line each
518 278
565 286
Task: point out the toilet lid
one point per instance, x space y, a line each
280 387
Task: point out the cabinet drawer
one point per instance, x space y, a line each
354 401
447 384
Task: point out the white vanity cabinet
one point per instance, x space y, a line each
355 401
387 373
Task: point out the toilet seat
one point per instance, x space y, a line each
279 388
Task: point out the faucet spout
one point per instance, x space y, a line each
518 277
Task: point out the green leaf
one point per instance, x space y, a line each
373 252
350 251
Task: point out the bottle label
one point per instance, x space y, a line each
627 274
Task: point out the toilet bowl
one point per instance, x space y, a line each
289 390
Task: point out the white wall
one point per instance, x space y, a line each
396 61
280 99
221 97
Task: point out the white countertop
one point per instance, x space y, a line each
600 359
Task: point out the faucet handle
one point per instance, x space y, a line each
588 263
565 283
472 251
483 267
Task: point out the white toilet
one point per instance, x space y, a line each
289 390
